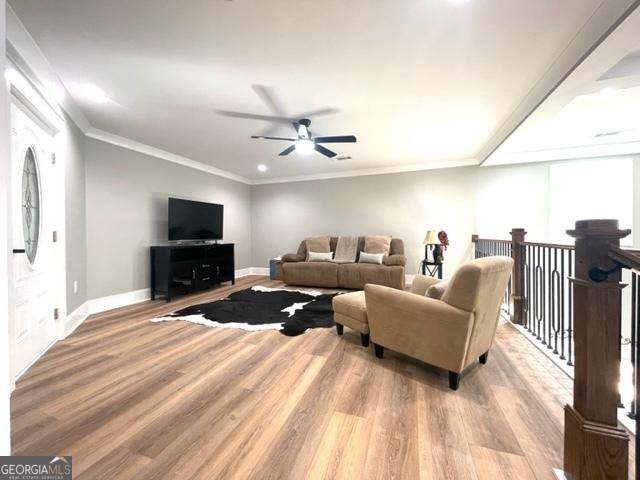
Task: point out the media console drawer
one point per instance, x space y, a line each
182 269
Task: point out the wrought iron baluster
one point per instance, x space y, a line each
634 342
539 298
570 311
529 289
547 297
562 311
555 301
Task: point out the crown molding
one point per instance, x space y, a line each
145 149
25 53
565 153
417 167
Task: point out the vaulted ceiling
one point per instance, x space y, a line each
593 113
420 82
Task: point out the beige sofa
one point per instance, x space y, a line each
451 332
297 271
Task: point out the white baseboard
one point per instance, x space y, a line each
259 271
31 363
243 272
75 319
99 305
103 304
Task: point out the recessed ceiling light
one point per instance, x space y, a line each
304 146
263 168
90 92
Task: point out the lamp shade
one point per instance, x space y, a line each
431 238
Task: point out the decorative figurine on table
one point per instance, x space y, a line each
444 241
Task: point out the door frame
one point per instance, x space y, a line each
25 95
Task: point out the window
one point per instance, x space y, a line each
30 205
590 189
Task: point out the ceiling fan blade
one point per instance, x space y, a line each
336 139
325 151
253 116
319 112
263 137
288 150
269 97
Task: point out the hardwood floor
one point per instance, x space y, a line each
139 400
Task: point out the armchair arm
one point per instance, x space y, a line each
421 284
395 260
293 257
421 327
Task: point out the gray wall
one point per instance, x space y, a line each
404 205
70 151
127 211
461 201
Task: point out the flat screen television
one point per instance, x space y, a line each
189 220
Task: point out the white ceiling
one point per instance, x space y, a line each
417 81
595 112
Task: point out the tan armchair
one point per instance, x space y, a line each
449 333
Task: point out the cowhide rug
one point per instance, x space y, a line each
291 312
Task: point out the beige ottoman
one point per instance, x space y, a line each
350 309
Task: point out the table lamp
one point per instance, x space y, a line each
431 240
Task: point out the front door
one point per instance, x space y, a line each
34 214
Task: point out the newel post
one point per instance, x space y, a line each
594 446
516 302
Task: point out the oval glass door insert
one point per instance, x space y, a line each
30 205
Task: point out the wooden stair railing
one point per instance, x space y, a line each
594 446
628 258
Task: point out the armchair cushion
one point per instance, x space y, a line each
437 290
478 282
421 284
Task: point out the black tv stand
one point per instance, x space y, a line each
178 269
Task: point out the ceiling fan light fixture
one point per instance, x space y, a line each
304 146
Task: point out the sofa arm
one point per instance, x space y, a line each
421 327
293 257
421 284
395 260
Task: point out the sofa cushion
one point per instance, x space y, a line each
357 275
397 247
391 260
377 244
311 274
320 257
293 257
374 258
319 243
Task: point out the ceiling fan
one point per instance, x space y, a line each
306 143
